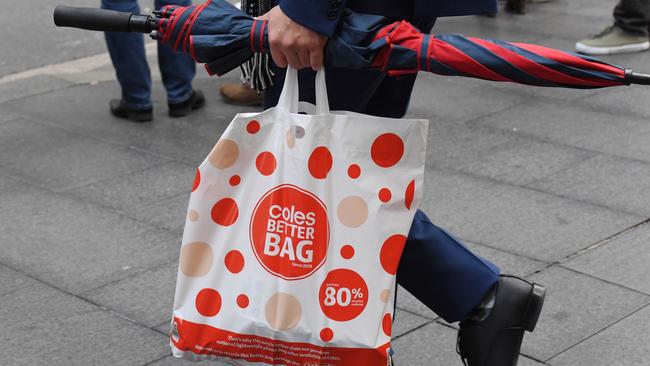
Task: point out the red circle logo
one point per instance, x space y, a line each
343 295
289 232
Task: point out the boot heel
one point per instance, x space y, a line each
534 307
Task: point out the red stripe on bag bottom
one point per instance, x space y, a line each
206 340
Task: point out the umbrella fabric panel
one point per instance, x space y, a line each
221 36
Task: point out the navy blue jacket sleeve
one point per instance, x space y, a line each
320 16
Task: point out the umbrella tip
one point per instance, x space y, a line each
637 78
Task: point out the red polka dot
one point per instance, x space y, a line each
387 150
234 180
347 251
265 163
208 302
326 334
253 127
242 301
225 212
391 251
197 180
409 194
320 162
354 171
385 195
234 261
387 324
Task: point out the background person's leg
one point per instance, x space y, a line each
128 57
177 69
442 273
633 16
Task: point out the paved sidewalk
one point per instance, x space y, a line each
550 184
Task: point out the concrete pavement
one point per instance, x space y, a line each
550 184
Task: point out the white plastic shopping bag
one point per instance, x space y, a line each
295 227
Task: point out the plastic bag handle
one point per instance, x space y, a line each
290 94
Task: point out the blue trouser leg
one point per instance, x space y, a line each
128 57
177 69
442 273
435 267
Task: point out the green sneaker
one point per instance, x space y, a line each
613 40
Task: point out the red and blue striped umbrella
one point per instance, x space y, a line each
223 37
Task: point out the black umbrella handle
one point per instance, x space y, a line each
103 20
636 78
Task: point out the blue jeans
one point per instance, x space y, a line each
128 56
437 268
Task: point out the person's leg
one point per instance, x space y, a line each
628 34
633 16
128 57
177 69
442 273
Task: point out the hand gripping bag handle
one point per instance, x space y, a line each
290 94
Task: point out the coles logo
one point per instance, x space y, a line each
289 232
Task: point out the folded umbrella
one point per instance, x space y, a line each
223 37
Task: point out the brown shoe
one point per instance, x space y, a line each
240 94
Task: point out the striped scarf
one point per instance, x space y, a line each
256 72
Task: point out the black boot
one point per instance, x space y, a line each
496 340
119 110
195 101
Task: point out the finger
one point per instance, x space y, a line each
278 56
316 59
294 59
303 55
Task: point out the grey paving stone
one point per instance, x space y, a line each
173 361
77 246
27 49
438 98
406 322
190 138
145 297
169 214
7 184
518 220
433 344
625 343
129 192
508 263
11 280
453 144
580 127
57 159
626 101
31 86
53 328
619 183
623 260
565 25
523 160
590 8
485 28
576 307
6 113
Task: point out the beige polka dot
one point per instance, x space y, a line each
352 211
193 215
224 154
283 311
384 296
291 139
196 259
